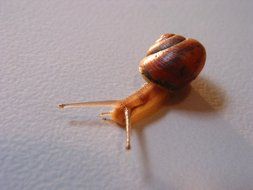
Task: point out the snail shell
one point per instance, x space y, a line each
173 61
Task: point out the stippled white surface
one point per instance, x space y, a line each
63 51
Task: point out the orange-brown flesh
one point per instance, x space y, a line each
142 104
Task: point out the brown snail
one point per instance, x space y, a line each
170 64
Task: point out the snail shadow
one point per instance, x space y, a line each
202 96
90 123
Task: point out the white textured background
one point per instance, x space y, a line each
63 51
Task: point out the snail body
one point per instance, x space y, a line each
142 103
170 64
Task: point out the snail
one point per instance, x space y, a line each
170 64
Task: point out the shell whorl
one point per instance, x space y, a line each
173 61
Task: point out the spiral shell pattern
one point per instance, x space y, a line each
173 61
